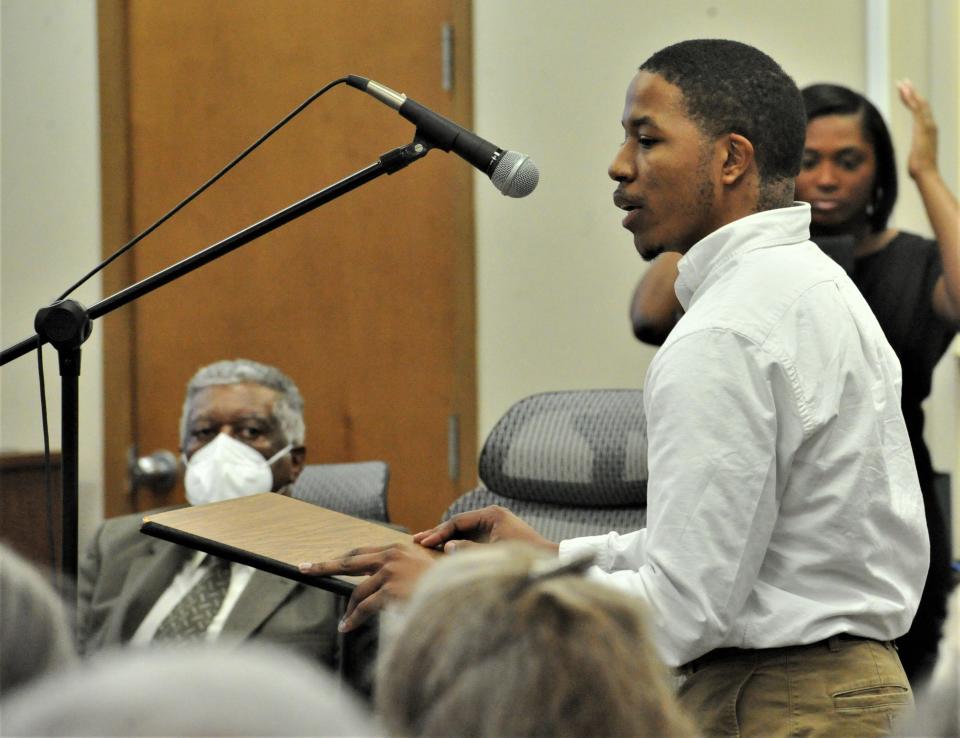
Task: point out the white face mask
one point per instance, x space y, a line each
226 468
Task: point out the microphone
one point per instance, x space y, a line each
511 172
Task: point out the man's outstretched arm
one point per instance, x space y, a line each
393 571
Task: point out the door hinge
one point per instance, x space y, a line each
446 57
453 447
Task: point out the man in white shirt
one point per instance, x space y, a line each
242 432
785 546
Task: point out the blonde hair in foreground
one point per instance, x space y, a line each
499 640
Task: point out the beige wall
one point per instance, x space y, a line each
50 217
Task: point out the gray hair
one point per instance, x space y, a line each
212 689
34 631
287 410
499 640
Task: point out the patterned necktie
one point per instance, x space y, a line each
193 614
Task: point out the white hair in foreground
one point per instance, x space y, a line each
187 691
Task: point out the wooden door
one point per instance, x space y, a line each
368 302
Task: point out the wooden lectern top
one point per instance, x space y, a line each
274 533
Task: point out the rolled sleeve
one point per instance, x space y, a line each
611 551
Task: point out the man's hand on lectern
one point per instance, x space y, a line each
393 572
486 525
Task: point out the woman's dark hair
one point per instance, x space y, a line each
827 99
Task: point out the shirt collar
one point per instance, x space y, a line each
756 231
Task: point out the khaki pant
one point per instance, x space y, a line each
843 686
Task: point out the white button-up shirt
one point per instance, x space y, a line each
783 502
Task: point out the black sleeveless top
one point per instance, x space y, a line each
897 282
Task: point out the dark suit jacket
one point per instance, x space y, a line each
124 572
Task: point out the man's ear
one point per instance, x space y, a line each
298 454
738 158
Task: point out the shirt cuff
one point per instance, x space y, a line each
573 548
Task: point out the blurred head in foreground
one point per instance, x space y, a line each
34 629
187 691
498 640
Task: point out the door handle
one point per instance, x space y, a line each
156 472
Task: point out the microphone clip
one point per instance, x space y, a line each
402 156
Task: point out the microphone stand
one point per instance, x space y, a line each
66 324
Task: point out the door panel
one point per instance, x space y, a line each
367 302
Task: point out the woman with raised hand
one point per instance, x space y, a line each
911 283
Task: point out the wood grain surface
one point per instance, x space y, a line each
272 532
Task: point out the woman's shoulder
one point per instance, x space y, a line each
906 239
904 251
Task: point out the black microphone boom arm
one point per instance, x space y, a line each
66 325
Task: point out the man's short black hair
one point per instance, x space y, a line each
827 99
730 87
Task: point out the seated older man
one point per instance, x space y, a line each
241 433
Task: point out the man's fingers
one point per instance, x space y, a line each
352 564
435 536
474 524
361 611
368 588
459 545
320 568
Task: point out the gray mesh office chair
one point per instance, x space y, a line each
360 489
570 463
356 488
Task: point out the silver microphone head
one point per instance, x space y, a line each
515 175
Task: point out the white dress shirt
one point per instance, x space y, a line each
783 501
190 573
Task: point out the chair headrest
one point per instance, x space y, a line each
579 447
357 488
